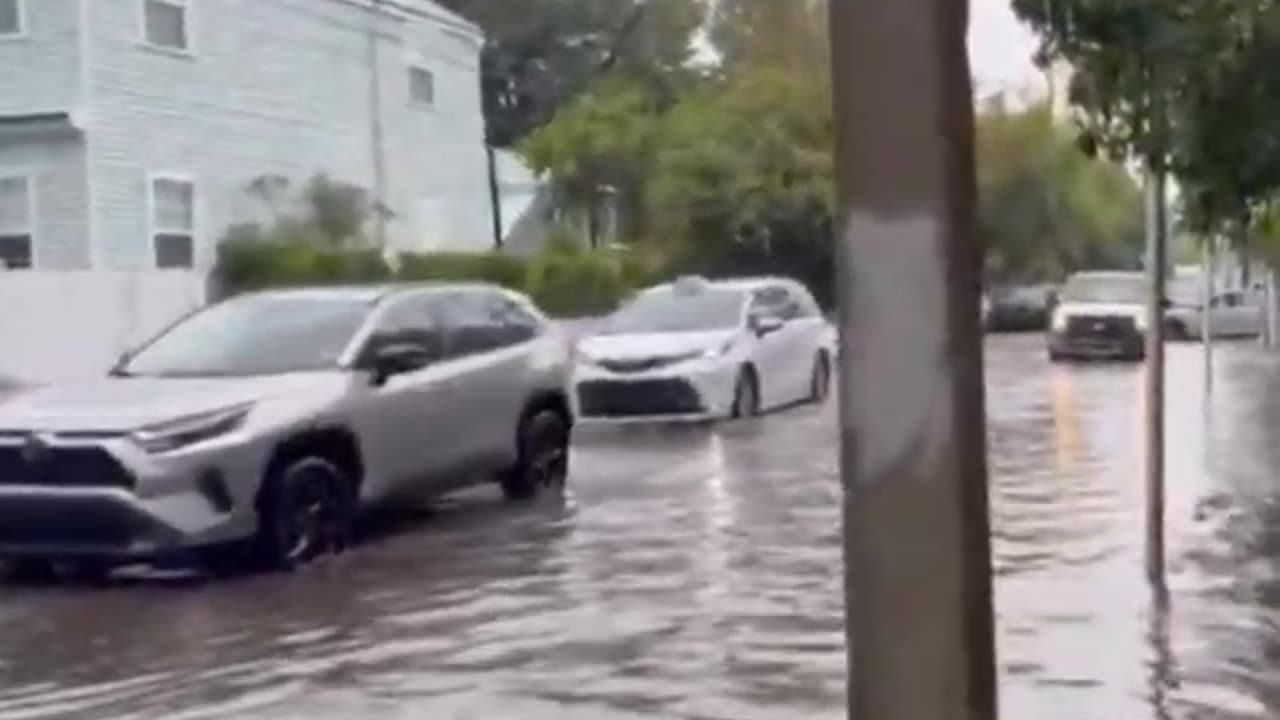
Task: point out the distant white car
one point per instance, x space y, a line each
1232 314
698 350
1100 315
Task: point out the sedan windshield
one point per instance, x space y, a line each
666 311
264 335
1117 289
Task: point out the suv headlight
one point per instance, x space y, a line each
184 432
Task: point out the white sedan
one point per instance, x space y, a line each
699 350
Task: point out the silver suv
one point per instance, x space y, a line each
268 421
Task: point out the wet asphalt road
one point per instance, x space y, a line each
695 573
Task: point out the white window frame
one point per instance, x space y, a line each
29 179
23 26
154 229
188 26
419 66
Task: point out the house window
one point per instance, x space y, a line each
422 86
11 17
16 221
173 222
166 23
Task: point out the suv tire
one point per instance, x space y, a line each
307 509
543 464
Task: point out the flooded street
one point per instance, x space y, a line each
697 574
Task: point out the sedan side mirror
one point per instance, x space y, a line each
765 325
397 359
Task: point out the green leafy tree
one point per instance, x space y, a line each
597 146
542 54
1045 209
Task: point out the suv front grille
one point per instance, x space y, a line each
605 398
78 467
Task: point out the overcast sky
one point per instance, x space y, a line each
1000 49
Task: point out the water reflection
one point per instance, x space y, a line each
696 573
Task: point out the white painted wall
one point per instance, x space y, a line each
281 87
68 325
40 69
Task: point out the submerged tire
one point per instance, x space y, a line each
307 509
543 465
746 395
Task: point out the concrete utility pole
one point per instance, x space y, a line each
1157 231
1206 317
913 457
377 146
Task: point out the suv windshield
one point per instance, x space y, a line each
265 335
1117 289
670 310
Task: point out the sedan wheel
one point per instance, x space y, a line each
820 385
544 457
308 510
746 395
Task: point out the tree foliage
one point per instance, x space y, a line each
1187 85
541 54
1045 209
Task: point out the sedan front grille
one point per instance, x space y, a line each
644 398
77 467
1101 327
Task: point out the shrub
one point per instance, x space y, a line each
488 267
246 264
575 284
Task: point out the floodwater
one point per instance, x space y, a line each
696 574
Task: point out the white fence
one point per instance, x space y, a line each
66 325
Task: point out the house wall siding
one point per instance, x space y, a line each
55 162
40 69
279 88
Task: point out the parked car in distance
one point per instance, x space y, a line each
698 349
267 422
1232 314
1100 315
1024 308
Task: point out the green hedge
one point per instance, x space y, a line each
565 283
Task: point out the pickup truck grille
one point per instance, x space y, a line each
1101 327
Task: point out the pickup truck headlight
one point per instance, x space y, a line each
1059 322
177 434
1140 322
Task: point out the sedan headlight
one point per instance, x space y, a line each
184 432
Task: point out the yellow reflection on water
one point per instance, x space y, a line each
1066 420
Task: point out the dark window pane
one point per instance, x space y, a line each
422 86
175 251
15 252
10 17
166 24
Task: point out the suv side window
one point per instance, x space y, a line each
517 324
468 320
409 321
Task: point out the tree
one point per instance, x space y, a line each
541 54
599 143
782 33
1045 210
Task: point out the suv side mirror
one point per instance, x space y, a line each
765 325
398 358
